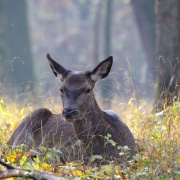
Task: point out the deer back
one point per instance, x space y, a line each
41 128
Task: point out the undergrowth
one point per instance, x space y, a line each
157 137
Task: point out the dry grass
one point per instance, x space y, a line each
157 137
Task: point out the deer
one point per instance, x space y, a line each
81 117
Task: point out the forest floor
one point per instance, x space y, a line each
157 137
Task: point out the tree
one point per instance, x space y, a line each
168 50
18 42
107 88
3 44
145 17
97 25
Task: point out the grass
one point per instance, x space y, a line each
157 137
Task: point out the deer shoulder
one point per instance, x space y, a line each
120 128
24 133
41 128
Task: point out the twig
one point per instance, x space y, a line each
8 166
28 174
15 172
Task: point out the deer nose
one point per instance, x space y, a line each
69 113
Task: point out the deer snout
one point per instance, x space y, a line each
69 114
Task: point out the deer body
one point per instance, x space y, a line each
84 118
41 128
94 128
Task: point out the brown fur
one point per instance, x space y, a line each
84 119
41 128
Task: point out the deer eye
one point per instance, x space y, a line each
61 90
88 91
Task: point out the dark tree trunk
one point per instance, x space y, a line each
97 25
18 42
168 50
107 87
3 50
145 16
3 44
108 27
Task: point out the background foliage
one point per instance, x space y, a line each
143 37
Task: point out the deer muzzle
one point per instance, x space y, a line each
69 114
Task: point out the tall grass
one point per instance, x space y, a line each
157 137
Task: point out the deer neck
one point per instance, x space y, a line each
88 126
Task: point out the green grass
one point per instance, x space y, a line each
157 138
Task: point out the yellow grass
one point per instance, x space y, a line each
157 137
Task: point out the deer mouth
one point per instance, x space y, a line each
70 114
70 119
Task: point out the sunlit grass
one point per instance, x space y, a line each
157 137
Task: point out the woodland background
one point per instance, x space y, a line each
141 36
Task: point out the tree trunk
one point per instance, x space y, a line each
168 50
97 25
145 17
18 42
108 27
3 44
107 87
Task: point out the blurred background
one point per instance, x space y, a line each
79 34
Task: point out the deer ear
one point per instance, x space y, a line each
102 70
57 69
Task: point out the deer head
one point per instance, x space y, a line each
77 87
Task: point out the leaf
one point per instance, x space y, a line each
96 157
1 101
113 143
11 158
22 111
77 173
121 153
46 166
23 160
